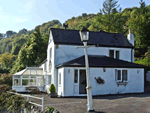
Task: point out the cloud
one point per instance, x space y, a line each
19 20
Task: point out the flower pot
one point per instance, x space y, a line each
53 95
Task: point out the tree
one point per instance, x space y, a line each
33 52
139 22
109 6
9 33
110 20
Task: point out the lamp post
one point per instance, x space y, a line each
84 35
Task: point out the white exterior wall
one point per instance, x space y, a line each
135 81
53 72
69 52
61 86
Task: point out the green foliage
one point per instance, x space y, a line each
13 103
144 61
139 22
4 87
50 109
6 60
52 89
6 79
109 6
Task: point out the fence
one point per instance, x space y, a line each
41 105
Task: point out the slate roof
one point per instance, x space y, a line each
100 61
101 38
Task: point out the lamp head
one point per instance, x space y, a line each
84 34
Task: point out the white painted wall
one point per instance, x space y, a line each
69 52
61 86
135 81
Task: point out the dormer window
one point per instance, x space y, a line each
114 54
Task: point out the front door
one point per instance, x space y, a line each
82 82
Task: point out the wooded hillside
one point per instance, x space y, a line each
28 47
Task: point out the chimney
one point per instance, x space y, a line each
130 37
65 25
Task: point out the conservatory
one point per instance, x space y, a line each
31 76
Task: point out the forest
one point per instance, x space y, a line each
29 47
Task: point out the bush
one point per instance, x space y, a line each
50 109
6 79
12 102
4 88
52 88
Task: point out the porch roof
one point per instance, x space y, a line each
100 61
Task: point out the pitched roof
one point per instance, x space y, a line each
101 38
100 61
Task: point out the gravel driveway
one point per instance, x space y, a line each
125 103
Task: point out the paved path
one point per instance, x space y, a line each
129 103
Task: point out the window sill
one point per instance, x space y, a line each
121 83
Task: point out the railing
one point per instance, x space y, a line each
42 106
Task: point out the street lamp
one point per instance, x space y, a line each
84 35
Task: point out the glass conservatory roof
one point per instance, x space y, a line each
30 71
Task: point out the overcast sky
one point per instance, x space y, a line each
18 14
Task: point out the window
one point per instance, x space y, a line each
111 53
75 76
48 79
50 53
59 78
121 75
114 54
117 54
17 82
124 75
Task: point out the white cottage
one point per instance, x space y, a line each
112 59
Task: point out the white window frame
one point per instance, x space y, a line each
114 52
121 75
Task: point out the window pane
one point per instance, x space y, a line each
76 76
48 79
116 74
25 76
39 82
59 78
25 82
124 75
111 53
39 72
16 82
16 76
117 54
33 72
119 75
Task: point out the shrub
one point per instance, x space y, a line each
4 88
52 88
6 79
13 102
50 109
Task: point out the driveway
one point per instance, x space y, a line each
125 103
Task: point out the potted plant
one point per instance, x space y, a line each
52 90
